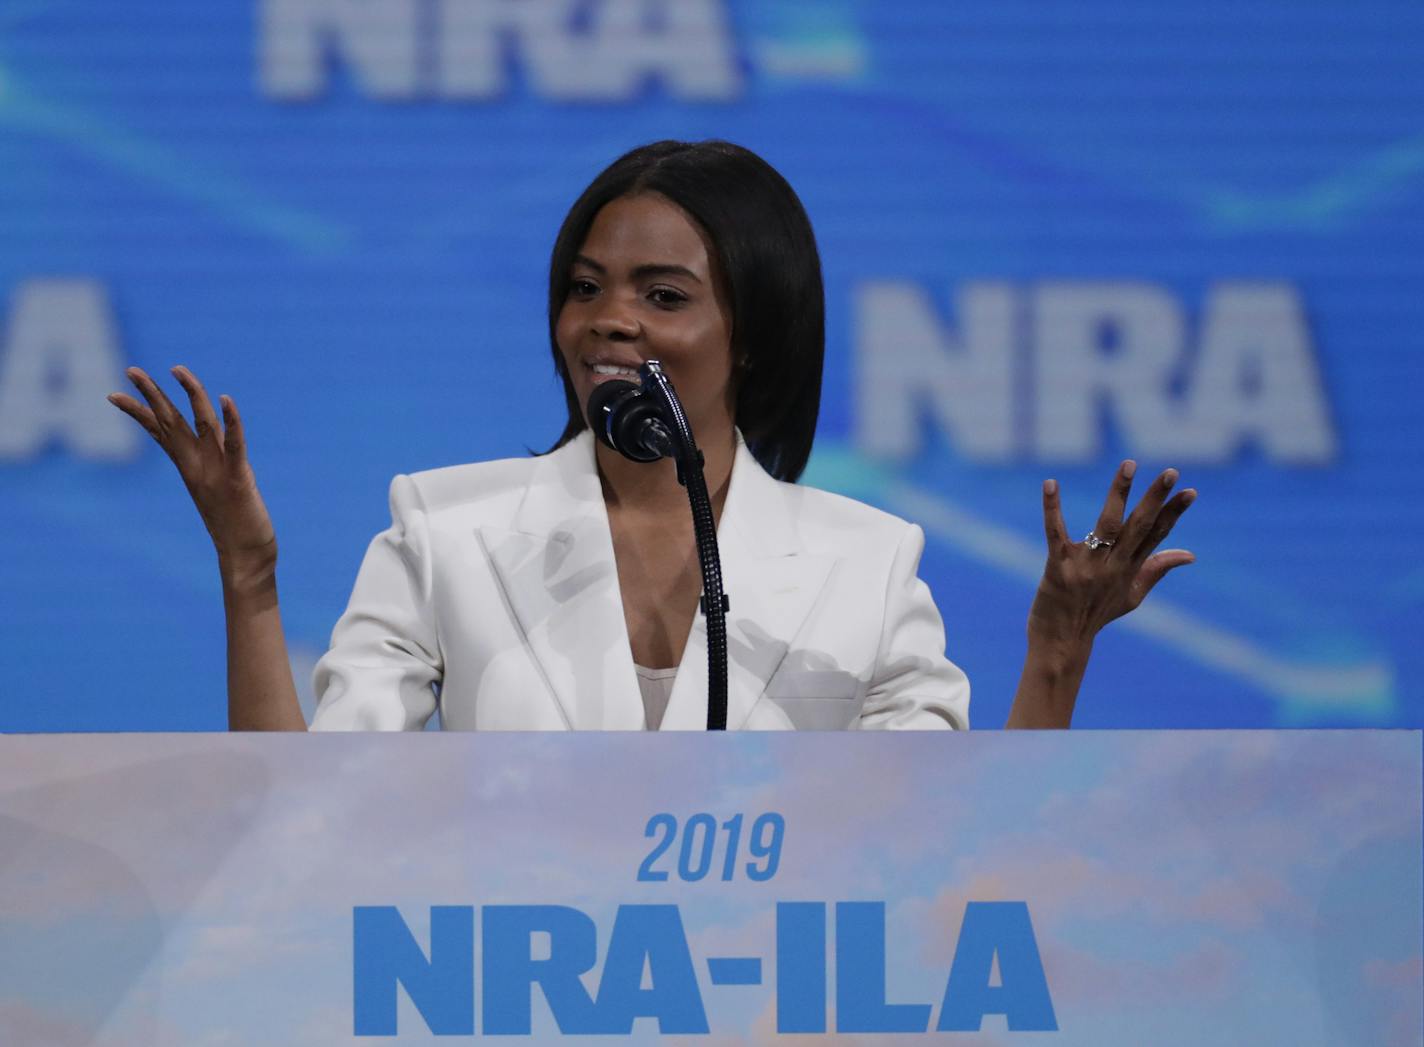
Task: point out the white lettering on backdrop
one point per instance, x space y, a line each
398 50
59 359
1040 373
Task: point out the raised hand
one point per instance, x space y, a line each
212 460
1087 584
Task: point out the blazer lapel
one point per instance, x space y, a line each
559 576
772 584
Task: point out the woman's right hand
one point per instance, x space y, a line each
212 460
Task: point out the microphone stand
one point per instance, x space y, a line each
714 602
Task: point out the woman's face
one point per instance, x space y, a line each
645 286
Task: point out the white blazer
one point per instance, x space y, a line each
494 594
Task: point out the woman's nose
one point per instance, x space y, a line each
615 320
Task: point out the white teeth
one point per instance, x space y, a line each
613 369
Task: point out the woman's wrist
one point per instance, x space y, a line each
1048 688
1054 656
246 576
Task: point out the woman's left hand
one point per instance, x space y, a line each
1087 584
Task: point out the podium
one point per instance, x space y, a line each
1089 887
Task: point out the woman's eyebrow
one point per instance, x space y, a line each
665 270
641 271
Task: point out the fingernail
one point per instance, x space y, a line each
1050 486
1189 495
1169 477
1129 467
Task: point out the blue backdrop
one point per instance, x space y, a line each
1053 236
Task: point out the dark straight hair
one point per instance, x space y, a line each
767 256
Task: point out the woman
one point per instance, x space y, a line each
499 589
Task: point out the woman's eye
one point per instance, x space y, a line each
583 288
667 296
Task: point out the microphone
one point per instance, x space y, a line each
630 421
646 423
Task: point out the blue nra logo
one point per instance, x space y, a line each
650 938
649 970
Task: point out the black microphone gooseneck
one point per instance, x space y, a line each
646 424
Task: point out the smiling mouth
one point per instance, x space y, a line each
613 373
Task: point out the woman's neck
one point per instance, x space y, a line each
638 488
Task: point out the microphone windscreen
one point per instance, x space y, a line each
601 403
629 420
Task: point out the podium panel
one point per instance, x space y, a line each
1088 888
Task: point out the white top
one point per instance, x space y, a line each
497 583
656 686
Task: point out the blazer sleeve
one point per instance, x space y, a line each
385 658
914 685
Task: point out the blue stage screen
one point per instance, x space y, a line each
1054 236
